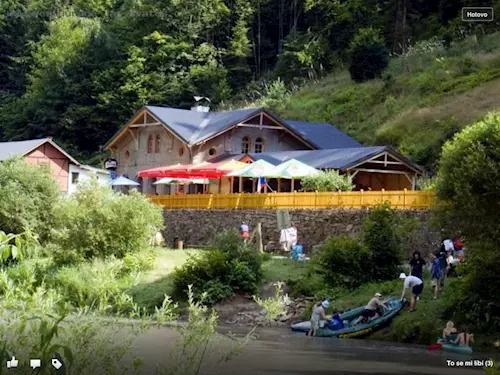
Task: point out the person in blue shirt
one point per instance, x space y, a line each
436 274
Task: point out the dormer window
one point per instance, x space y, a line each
245 145
259 145
157 144
150 144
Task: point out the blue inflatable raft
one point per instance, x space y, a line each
348 318
454 348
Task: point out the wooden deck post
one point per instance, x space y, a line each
260 245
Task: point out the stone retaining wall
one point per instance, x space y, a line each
197 227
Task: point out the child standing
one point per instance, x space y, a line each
318 314
435 274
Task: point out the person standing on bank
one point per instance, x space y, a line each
416 286
417 264
244 231
318 314
435 274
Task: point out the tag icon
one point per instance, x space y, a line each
56 363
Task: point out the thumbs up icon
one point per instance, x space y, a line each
12 363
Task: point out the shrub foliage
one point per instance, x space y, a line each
28 195
344 261
376 256
368 54
329 181
468 184
96 222
230 266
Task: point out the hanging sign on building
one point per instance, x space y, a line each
110 163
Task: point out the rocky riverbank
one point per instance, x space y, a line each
244 311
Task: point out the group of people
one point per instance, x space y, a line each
373 310
443 263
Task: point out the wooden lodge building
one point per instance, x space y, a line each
162 136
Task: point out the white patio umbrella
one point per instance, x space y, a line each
182 181
124 181
294 169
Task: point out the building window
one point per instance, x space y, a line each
212 151
181 151
157 144
245 145
259 145
150 144
74 177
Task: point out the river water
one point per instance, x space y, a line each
278 351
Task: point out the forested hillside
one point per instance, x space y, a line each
76 70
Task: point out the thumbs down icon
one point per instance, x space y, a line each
56 363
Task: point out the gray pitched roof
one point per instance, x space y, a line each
324 135
193 127
341 158
335 159
21 148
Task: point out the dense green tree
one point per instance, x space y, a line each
76 70
368 54
468 187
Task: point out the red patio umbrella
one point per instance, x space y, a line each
217 170
172 171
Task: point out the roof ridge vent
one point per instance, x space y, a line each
202 104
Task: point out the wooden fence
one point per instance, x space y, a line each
352 199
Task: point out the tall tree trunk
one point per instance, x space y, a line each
258 40
396 27
280 21
403 29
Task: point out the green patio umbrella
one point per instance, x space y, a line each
260 168
293 169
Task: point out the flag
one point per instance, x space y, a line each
261 184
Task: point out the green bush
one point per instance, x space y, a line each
96 222
28 195
470 203
382 236
231 243
368 55
140 261
97 284
343 261
328 181
230 266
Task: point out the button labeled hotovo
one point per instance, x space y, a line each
477 14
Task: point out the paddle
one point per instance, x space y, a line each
434 347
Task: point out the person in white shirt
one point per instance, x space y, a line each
293 234
415 284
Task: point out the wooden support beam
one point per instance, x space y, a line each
379 171
261 120
136 139
353 174
409 178
144 125
243 125
385 162
385 159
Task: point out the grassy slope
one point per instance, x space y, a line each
422 104
152 288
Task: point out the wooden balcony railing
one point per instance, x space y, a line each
298 200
